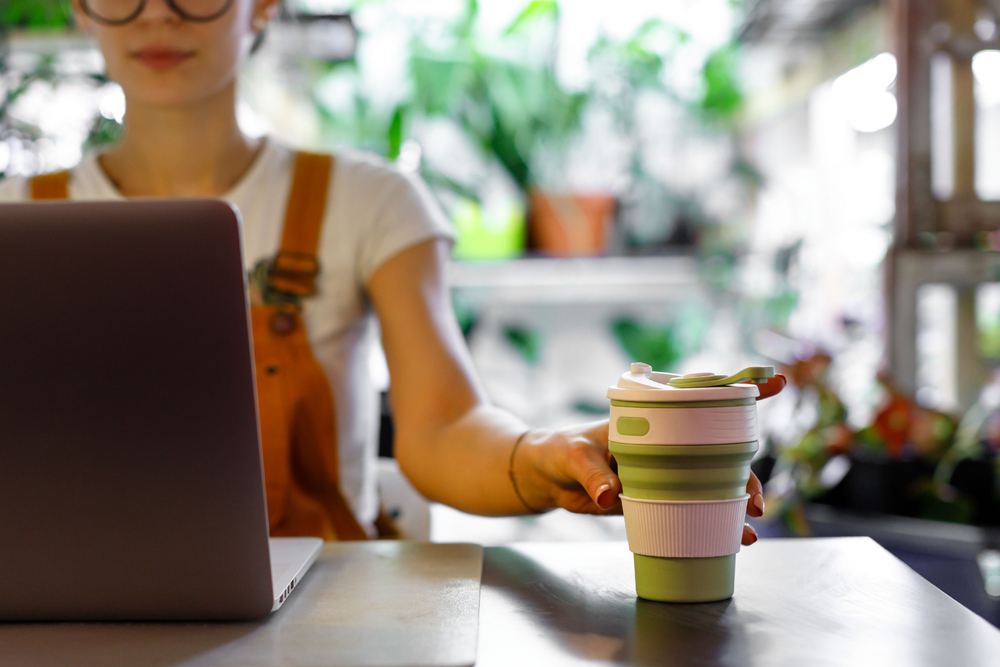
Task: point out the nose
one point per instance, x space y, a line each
158 11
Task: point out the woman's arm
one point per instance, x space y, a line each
450 442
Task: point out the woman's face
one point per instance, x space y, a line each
163 60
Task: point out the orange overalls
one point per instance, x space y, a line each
294 399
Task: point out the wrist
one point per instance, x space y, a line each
526 473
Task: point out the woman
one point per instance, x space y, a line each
382 246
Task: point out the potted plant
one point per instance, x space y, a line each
514 110
507 105
507 100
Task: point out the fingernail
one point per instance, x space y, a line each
758 502
606 497
749 534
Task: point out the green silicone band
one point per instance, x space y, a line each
684 579
684 472
636 426
699 450
690 404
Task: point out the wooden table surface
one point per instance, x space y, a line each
804 602
798 602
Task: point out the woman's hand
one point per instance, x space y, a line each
569 468
572 468
755 508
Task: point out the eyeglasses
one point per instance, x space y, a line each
120 12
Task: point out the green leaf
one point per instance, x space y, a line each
535 11
103 133
722 94
527 342
656 345
440 83
503 144
466 316
36 14
395 133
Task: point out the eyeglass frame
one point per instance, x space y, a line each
142 5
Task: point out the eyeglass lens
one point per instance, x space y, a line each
123 11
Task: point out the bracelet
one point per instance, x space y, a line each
510 473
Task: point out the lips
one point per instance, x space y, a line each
161 58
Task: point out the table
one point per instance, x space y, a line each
815 602
361 604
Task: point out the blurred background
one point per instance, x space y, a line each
701 185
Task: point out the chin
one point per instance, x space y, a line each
170 91
172 87
166 97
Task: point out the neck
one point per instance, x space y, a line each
187 151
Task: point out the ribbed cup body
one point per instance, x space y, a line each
684 472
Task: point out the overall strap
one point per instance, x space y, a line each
50 186
296 266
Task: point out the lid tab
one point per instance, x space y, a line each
643 384
755 374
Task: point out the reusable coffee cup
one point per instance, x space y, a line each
683 456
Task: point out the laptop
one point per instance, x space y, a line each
131 477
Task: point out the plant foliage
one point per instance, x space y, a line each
35 14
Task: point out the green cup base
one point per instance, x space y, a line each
685 579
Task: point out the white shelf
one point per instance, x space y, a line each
49 41
581 280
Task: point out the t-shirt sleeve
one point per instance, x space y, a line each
403 213
13 189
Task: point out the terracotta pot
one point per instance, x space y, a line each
566 225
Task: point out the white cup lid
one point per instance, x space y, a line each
643 384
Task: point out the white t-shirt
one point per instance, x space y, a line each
372 212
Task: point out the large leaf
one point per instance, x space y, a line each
546 10
395 133
656 345
35 13
440 82
722 94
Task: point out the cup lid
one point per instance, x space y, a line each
643 384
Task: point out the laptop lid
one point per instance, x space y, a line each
131 483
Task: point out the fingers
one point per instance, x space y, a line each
607 498
579 502
589 465
598 432
755 506
600 482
